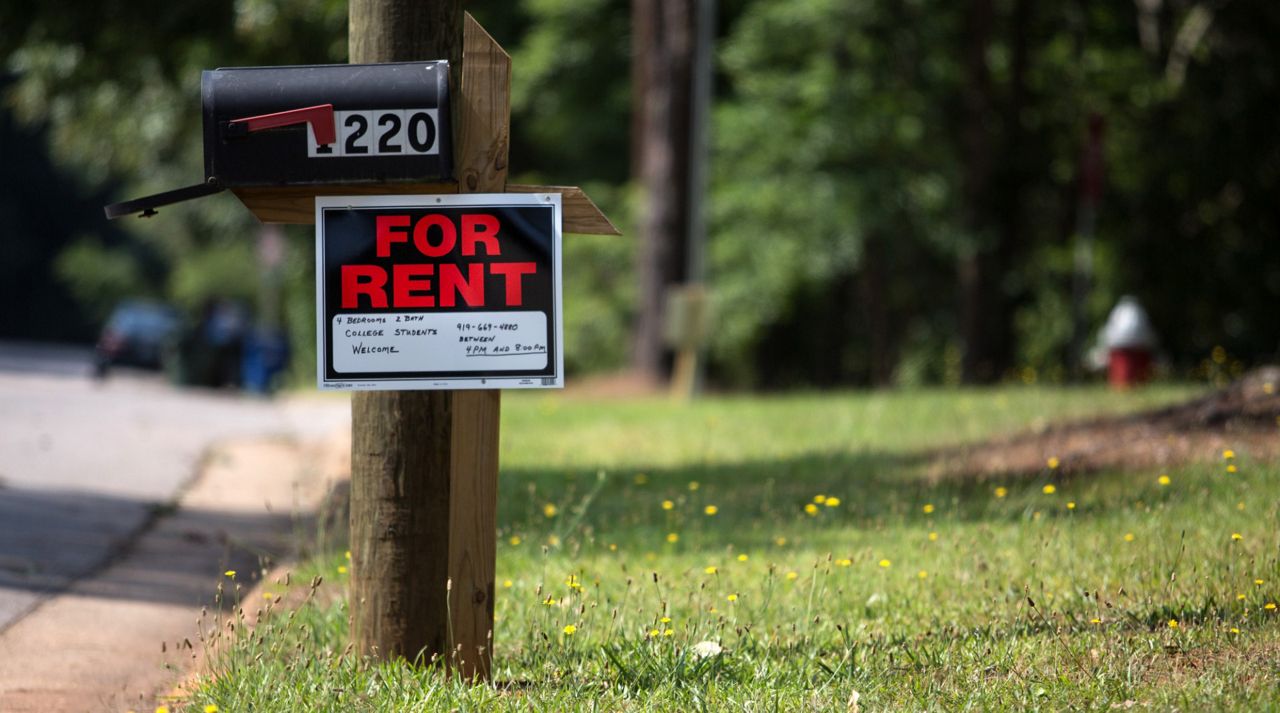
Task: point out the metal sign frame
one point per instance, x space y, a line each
439 347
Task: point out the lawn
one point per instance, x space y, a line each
801 538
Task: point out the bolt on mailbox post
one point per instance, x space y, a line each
379 137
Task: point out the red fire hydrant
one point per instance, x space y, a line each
1130 342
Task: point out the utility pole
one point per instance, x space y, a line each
424 463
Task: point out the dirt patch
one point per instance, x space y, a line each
1244 417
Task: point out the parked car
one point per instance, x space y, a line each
138 333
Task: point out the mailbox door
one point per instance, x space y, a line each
391 120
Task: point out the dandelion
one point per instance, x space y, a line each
1240 505
734 598
641 479
706 649
819 498
613 547
570 629
162 709
1271 606
553 540
654 633
792 576
694 485
1053 462
710 570
928 508
1235 630
1164 479
348 554
811 509
515 540
1240 597
1259 582
211 708
846 562
1237 536
1228 454
742 557
672 537
1095 620
550 510
933 537
1232 468
342 569
268 595
832 502
780 541
230 573
668 505
1001 491
572 582
923 574
665 620
1071 505
669 632
549 601
711 510
507 584
1173 623
885 563
1128 537
1049 489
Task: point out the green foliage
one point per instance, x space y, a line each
97 276
1024 601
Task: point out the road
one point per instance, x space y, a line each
84 464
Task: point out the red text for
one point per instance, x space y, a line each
425 284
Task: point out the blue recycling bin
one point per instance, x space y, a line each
265 355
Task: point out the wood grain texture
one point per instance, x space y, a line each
296 204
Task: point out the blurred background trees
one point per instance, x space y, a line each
896 187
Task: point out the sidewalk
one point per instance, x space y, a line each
116 639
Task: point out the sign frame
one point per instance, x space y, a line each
428 379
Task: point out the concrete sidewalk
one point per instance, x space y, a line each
115 640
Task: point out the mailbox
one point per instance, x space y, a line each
319 124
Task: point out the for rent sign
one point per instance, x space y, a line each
439 292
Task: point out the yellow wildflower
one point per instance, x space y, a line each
507 584
665 620
1053 462
885 563
711 510
211 708
672 537
1071 505
342 569
742 557
348 554
811 509
613 547
1240 597
570 629
1235 630
654 633
1164 479
553 540
710 570
1237 536
1228 454
846 562
832 502
1049 489
550 510
515 540
928 508
780 541
734 598
1259 582
1173 623
694 485
933 537
1001 491
1128 537
668 505
669 632
230 573
819 498
1271 606
792 576
1232 468
923 574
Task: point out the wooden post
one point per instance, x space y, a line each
424 464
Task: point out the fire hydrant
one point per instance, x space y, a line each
1130 343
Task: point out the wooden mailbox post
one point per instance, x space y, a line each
424 464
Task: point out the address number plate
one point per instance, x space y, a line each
380 132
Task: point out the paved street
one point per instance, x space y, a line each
85 464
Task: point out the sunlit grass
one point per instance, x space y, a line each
799 536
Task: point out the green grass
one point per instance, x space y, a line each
984 602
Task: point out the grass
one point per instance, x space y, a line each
799 534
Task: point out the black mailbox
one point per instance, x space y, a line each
319 124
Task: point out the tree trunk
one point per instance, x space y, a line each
663 53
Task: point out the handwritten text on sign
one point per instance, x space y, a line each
422 292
